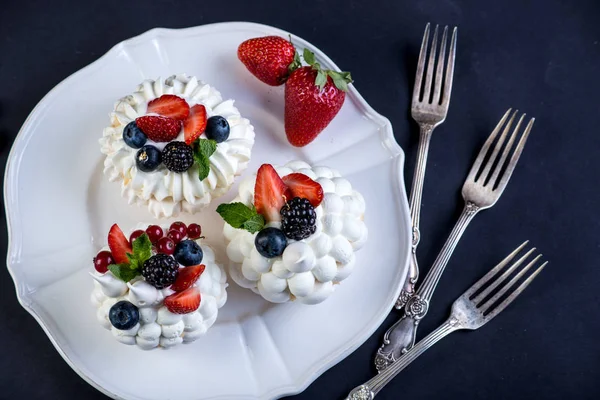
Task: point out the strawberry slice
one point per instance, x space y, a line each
159 129
301 185
195 124
269 193
169 105
183 302
187 276
119 245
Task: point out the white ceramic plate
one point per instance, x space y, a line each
54 182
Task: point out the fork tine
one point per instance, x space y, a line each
449 69
516 293
515 157
495 270
492 180
421 65
488 304
430 65
490 162
486 147
477 300
437 88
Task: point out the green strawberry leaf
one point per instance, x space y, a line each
203 149
309 57
123 272
321 79
240 216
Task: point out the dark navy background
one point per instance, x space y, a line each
542 57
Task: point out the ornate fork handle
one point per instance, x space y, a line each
416 195
401 336
371 388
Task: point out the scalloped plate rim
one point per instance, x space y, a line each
25 134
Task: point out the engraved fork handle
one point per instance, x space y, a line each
371 388
416 195
401 336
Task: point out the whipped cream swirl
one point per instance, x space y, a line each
167 193
308 270
158 327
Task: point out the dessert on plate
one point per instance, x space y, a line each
292 232
159 287
175 145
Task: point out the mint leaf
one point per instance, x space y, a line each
203 149
142 250
123 272
240 216
254 224
309 57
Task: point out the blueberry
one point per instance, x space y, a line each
217 129
133 136
124 315
270 242
188 253
148 158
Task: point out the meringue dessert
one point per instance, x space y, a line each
155 289
175 145
292 232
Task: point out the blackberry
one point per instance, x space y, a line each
178 156
160 270
298 219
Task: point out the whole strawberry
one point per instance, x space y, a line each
313 97
268 58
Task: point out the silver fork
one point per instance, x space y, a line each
476 307
484 185
428 109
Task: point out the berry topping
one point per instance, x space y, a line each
165 246
269 193
270 242
135 234
169 105
160 270
119 245
187 277
267 58
183 302
102 261
298 219
148 158
159 129
194 231
217 129
195 124
175 236
123 315
301 185
179 226
188 252
154 232
133 136
178 156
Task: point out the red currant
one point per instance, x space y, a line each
165 246
194 231
154 232
180 227
175 236
102 261
135 234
